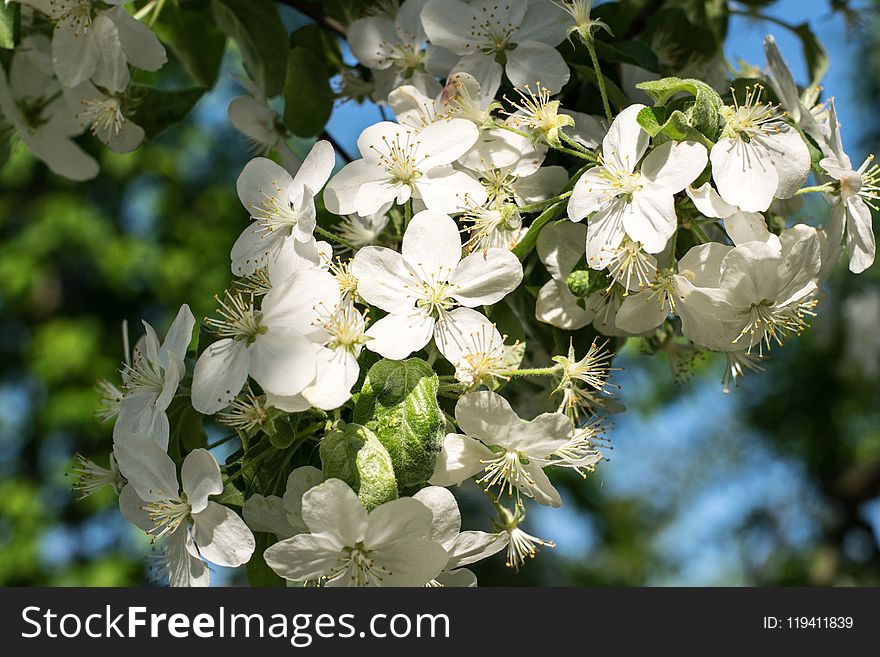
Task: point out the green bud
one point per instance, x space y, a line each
579 283
354 455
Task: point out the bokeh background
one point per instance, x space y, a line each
776 483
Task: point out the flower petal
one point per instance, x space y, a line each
222 537
200 478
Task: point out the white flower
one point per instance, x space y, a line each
282 206
802 108
91 477
336 330
740 226
268 344
400 163
521 546
522 33
151 380
463 548
282 516
105 114
670 289
510 452
762 294
858 193
395 48
758 156
197 529
253 117
48 131
639 204
89 42
362 231
420 286
478 351
349 547
560 248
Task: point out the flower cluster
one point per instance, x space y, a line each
388 363
76 80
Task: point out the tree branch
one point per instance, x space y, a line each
339 149
316 13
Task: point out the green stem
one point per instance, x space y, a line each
527 243
407 214
333 237
221 441
537 371
581 154
541 205
827 188
600 80
577 146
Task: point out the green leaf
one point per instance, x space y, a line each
156 110
321 42
677 127
814 53
257 29
703 115
308 98
398 402
257 570
10 25
283 431
615 95
637 53
200 57
230 496
354 455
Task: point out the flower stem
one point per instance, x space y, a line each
541 205
827 188
407 214
537 371
333 237
600 79
221 441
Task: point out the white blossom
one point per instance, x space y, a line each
421 287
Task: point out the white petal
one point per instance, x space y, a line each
252 117
745 227
315 169
282 361
744 174
111 72
486 278
446 190
146 466
709 203
183 568
398 335
267 514
384 278
484 69
859 235
533 62
790 157
399 519
487 416
674 165
303 557
410 562
625 142
461 458
432 245
448 24
640 313
300 301
142 48
557 306
200 478
74 53
333 509
446 517
443 142
560 247
473 546
341 192
541 185
592 192
219 375
605 232
542 436
299 481
222 537
541 489
370 40
337 372
650 219
132 508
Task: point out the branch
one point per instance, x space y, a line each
316 13
339 149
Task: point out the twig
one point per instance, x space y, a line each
316 13
339 149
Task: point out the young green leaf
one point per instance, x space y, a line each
354 455
398 402
308 98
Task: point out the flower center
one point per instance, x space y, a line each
361 568
766 323
631 266
142 374
346 328
752 118
238 319
166 516
869 183
400 158
274 211
508 472
105 115
435 296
